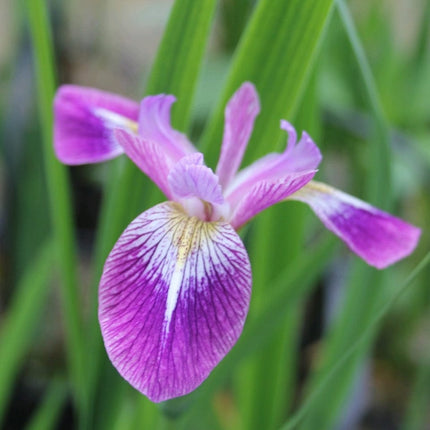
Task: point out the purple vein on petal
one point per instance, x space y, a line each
376 236
173 300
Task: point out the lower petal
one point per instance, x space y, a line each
173 300
376 236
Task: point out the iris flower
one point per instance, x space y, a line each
176 286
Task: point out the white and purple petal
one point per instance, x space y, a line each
376 236
297 158
173 299
84 121
154 125
240 115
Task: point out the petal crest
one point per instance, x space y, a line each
240 115
173 299
84 121
376 236
191 178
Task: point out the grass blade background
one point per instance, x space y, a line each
268 382
59 193
46 416
364 291
21 320
275 53
364 339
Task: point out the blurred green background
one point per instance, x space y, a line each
329 343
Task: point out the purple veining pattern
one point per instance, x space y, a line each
84 120
173 299
379 238
266 193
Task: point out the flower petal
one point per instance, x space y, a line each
191 178
154 125
266 193
173 299
376 236
302 158
148 156
240 114
84 120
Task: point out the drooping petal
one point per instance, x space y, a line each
173 299
302 158
266 193
154 125
84 120
376 236
150 157
240 114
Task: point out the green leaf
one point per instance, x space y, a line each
59 192
46 416
364 289
276 53
366 335
22 318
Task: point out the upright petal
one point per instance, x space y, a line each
84 120
173 299
240 114
154 124
376 236
151 158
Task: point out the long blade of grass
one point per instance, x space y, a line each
378 185
417 412
363 339
365 287
59 193
21 320
46 416
267 383
175 71
275 53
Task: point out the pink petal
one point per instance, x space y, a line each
84 120
154 125
191 178
376 236
173 299
266 193
240 114
302 158
150 157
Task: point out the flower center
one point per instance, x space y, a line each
204 210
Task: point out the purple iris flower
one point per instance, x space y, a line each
175 289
